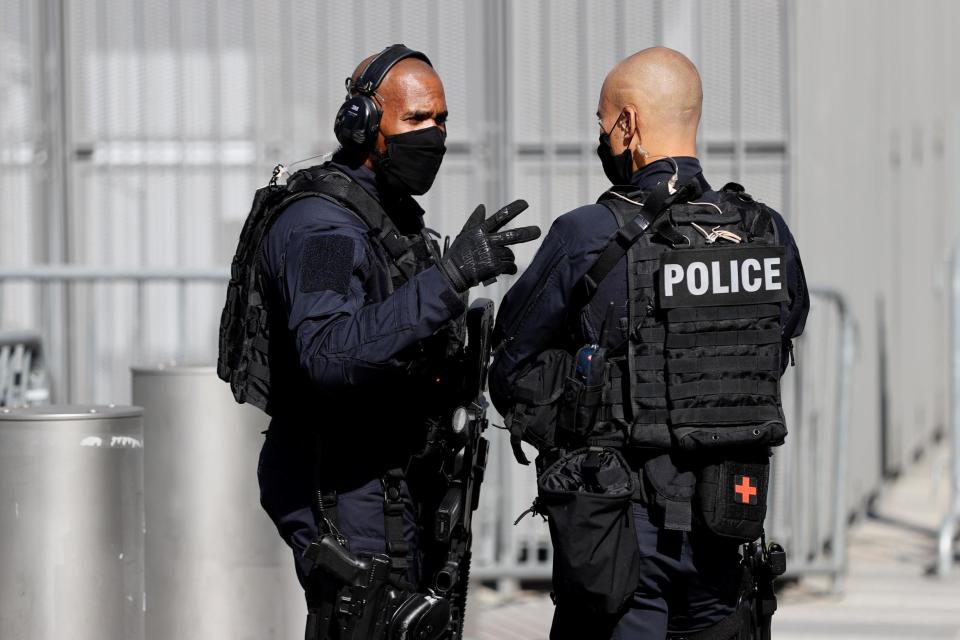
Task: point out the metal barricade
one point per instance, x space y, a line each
808 501
950 527
116 317
23 376
807 512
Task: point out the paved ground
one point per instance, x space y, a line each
889 592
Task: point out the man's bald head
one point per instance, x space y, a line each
410 97
654 97
407 67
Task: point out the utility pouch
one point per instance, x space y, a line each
668 492
580 411
586 497
538 395
580 408
731 495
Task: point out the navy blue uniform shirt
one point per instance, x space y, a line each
534 315
341 343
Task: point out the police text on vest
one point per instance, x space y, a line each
721 276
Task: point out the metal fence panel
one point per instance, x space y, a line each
23 373
809 505
950 526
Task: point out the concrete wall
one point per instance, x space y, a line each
874 137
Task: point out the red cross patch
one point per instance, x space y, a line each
745 489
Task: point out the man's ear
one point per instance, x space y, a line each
631 125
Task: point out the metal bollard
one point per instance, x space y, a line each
215 565
950 525
71 523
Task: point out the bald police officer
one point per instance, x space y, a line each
664 271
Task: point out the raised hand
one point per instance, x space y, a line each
481 251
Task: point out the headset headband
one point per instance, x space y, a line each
378 68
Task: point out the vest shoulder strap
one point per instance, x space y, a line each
644 214
327 182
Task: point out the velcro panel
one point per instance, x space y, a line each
649 252
655 334
644 280
725 363
639 390
725 415
722 338
649 363
711 314
327 264
725 387
652 416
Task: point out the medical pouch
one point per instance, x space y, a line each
731 494
586 497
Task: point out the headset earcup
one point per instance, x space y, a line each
373 124
356 123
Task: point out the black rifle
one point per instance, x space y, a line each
448 474
445 480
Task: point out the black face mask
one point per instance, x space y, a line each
618 169
412 159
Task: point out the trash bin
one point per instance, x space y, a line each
215 566
71 523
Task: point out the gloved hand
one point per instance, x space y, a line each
480 253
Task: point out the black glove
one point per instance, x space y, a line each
479 253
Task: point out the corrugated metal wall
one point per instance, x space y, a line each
173 111
20 93
875 142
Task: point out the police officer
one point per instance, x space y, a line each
649 112
359 302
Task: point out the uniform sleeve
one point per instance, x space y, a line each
343 339
799 295
794 314
532 316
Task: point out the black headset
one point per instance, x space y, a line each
358 119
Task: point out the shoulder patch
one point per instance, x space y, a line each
326 264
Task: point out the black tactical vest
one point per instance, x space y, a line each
701 366
244 324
